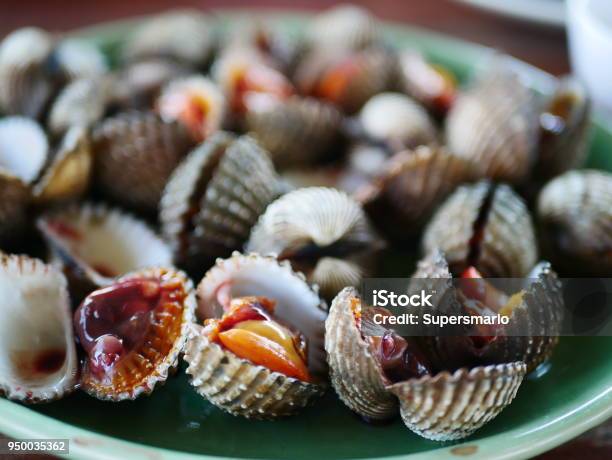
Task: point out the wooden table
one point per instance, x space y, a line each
545 48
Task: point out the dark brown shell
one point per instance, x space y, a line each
135 154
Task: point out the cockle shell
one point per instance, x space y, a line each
344 26
323 233
214 198
182 36
25 88
78 59
495 124
410 187
486 226
474 396
234 384
299 132
149 365
575 216
95 244
38 359
565 124
134 155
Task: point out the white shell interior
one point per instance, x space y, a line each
296 302
35 319
23 148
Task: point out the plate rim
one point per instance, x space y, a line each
97 446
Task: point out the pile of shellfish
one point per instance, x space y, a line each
218 195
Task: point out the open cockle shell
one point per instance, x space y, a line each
38 359
323 233
575 216
134 155
214 198
441 407
182 36
486 226
298 132
495 124
95 244
237 385
411 184
152 360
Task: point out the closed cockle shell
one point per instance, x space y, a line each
494 123
344 26
95 244
25 88
23 154
183 36
146 362
323 233
299 132
215 197
475 395
235 384
346 79
486 226
575 216
564 125
402 197
396 121
38 359
134 155
76 59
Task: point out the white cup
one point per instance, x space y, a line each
589 24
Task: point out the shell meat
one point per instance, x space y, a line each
133 332
323 233
409 188
233 380
495 124
575 216
134 155
344 26
215 197
486 226
38 358
300 132
371 386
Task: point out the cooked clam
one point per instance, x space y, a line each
344 26
214 198
264 357
486 226
133 332
575 215
374 374
323 233
134 155
495 124
38 359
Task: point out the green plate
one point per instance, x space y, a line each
174 422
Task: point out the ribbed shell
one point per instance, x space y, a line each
24 86
507 247
299 132
355 373
448 406
565 149
76 59
36 322
227 182
397 120
135 154
344 26
240 387
139 371
313 220
410 187
575 214
183 36
495 124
